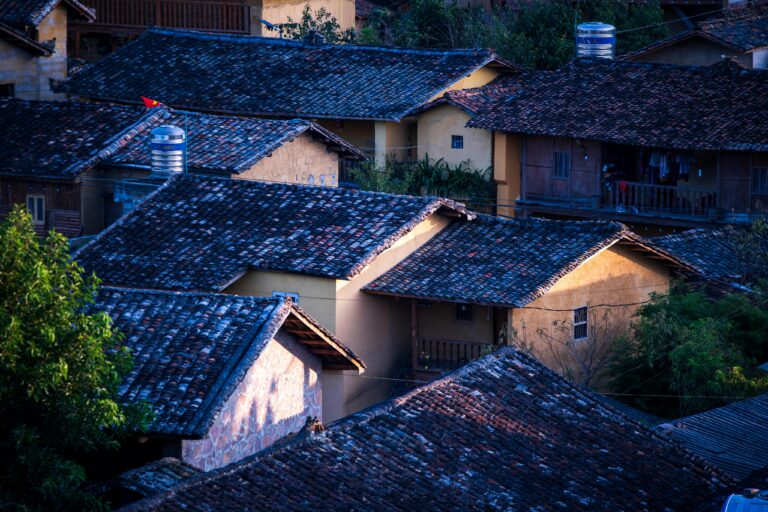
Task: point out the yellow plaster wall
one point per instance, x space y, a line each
394 141
303 160
278 11
437 125
438 321
615 275
506 171
695 52
376 328
477 78
31 74
359 133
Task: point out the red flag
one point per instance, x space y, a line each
149 103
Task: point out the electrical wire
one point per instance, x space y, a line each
671 21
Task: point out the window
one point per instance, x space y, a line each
293 296
464 312
457 142
36 206
760 180
7 90
580 323
561 167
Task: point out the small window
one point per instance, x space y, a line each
7 91
293 296
561 165
464 312
580 323
760 180
457 142
36 207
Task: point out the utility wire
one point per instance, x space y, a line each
671 21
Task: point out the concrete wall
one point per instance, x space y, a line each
279 392
614 276
437 320
303 160
374 327
695 52
437 125
31 74
278 11
507 152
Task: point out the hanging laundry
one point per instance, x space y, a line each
664 169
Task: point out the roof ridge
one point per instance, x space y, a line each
182 293
273 41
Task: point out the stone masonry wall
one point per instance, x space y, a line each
274 399
303 160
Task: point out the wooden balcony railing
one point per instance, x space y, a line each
642 198
439 354
209 15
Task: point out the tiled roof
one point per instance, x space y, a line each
230 145
156 476
503 433
744 28
494 261
733 438
479 99
270 76
712 251
62 139
643 104
31 12
199 233
190 351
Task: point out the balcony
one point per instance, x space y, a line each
440 355
133 16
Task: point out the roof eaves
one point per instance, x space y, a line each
235 370
30 44
355 362
433 207
86 12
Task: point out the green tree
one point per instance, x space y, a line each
60 367
320 22
690 352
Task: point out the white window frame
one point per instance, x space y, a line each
294 296
37 211
579 322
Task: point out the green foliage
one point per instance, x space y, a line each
751 244
60 368
539 36
427 177
321 22
701 349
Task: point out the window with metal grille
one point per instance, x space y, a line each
36 207
561 167
7 90
580 323
293 296
464 312
760 180
457 142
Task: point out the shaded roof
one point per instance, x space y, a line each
63 139
502 433
278 77
479 99
21 38
156 476
230 145
197 233
21 13
501 262
712 251
190 351
733 438
646 104
745 28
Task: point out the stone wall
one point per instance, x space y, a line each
31 75
278 393
303 160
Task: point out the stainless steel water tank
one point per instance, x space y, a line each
169 146
595 39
